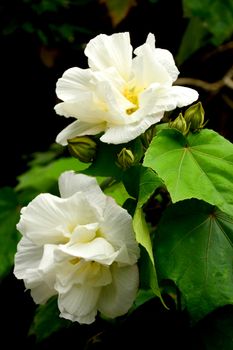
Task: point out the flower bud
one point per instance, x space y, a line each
194 116
83 148
180 124
125 158
147 136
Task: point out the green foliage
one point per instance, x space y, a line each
149 182
118 9
47 320
197 166
194 248
211 21
9 216
118 192
43 178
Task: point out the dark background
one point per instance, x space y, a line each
34 54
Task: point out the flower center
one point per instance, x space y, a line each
132 96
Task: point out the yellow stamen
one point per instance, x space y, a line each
132 96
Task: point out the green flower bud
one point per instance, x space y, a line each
180 124
83 148
125 158
194 116
147 136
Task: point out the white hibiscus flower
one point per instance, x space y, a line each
80 247
119 95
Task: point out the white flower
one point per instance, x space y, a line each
80 247
119 95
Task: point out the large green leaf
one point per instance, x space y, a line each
9 216
199 166
47 321
194 248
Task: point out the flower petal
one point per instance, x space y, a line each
41 293
125 133
118 230
110 51
79 128
70 183
99 250
116 298
73 82
28 257
49 219
79 304
167 99
85 107
147 69
164 57
27 261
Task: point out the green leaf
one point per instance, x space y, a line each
9 237
216 15
149 182
199 166
47 321
118 192
105 162
43 178
194 248
143 237
198 32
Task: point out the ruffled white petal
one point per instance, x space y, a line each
147 69
79 128
70 183
28 257
117 229
158 100
110 51
27 263
117 298
41 293
162 56
79 304
125 133
99 250
49 219
75 81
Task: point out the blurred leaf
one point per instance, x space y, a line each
217 330
198 32
118 9
42 158
216 16
9 237
194 248
197 166
47 321
43 178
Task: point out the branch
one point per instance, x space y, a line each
227 80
